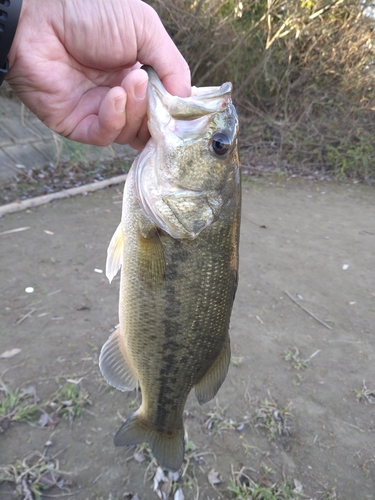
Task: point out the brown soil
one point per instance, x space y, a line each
297 236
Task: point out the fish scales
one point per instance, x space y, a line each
177 290
196 297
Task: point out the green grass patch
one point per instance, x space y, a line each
295 359
20 405
32 476
273 418
364 394
69 401
243 487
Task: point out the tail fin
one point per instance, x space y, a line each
167 447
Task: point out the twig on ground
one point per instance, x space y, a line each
307 311
67 193
16 230
25 316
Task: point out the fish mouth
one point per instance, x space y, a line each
203 101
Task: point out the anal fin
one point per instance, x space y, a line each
207 387
167 446
114 365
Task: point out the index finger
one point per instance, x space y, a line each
156 49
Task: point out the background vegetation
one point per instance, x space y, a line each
303 74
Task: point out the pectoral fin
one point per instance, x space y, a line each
208 386
114 364
114 253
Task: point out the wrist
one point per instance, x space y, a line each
9 16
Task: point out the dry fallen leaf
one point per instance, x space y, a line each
49 420
264 481
214 477
49 479
179 495
130 496
10 353
159 477
165 488
174 476
297 486
4 423
139 457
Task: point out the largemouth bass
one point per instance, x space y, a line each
177 247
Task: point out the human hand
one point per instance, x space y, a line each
76 65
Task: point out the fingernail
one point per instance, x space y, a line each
120 104
140 90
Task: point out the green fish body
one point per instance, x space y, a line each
177 247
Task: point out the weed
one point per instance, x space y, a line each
190 446
297 380
365 395
351 157
273 418
243 487
236 360
76 152
329 495
124 165
32 475
133 404
295 359
69 401
248 180
267 471
217 421
19 405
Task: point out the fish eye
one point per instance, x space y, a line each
220 143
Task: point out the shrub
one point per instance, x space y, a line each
303 75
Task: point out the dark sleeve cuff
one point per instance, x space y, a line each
9 16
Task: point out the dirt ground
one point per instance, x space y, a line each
315 241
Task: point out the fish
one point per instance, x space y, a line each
177 249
